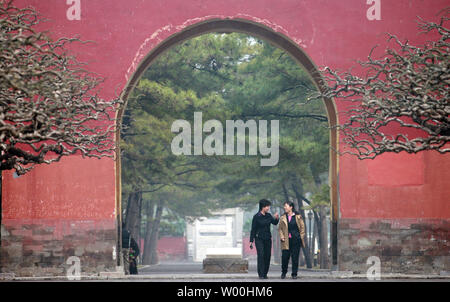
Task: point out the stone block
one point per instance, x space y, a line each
21 232
224 253
4 231
391 251
43 230
380 225
225 265
111 275
7 276
79 251
364 243
14 250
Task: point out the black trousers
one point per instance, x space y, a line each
293 252
133 267
264 252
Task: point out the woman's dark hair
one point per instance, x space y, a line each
264 203
292 205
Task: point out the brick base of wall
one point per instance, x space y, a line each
42 247
403 245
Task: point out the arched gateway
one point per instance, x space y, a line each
394 207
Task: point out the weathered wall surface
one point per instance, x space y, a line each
403 245
398 210
56 212
391 207
42 247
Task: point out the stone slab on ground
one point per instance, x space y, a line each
224 253
225 265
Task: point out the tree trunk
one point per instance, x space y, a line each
139 225
126 210
131 212
305 249
319 227
146 257
135 224
301 260
155 233
127 216
313 245
132 221
1 210
286 195
316 220
315 175
276 242
324 260
276 246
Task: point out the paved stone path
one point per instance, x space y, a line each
192 272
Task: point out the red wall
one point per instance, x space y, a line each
247 251
74 188
334 33
396 186
169 248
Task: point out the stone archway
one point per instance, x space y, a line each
266 33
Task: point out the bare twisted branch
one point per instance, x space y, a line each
402 102
48 104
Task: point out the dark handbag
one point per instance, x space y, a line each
132 255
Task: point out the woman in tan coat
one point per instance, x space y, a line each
292 235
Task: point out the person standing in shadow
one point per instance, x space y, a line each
130 252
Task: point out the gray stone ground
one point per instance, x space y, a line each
192 272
